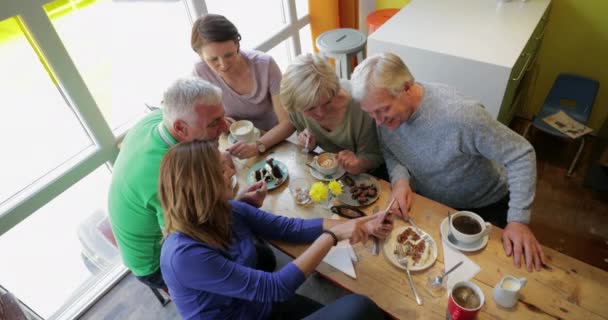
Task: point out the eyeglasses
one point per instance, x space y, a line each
347 211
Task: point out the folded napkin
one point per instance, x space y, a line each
465 272
342 256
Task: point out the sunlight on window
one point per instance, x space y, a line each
44 257
41 130
128 52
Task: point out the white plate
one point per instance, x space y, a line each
233 182
337 175
365 178
467 247
389 250
256 136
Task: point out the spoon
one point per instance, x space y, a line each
438 280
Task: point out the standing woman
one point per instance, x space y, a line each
208 257
250 81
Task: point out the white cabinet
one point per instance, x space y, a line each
481 47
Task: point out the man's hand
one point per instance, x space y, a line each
402 192
243 150
379 227
254 194
519 241
349 161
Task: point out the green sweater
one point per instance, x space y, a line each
356 132
134 208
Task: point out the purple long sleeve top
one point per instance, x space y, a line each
206 282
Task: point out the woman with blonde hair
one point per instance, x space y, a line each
249 81
323 111
208 256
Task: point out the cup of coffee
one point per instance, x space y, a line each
468 227
326 163
465 301
242 130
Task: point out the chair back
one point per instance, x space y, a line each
581 90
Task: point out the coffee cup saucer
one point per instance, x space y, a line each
337 175
467 247
256 135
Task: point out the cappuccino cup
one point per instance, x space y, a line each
242 130
326 163
468 227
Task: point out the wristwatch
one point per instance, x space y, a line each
260 146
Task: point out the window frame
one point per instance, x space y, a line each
105 142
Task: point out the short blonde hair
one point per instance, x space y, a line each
380 71
308 79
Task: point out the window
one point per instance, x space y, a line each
44 263
76 74
43 131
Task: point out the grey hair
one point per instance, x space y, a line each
182 96
307 79
380 71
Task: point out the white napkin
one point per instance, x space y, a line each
342 256
465 272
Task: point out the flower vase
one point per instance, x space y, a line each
329 202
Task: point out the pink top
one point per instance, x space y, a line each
256 105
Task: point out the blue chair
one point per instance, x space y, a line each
567 88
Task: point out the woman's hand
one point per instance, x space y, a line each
354 229
349 161
381 226
306 139
254 194
243 150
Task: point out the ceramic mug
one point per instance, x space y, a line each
466 235
242 130
467 308
506 292
326 163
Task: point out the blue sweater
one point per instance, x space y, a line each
206 282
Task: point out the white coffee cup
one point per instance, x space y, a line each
326 163
461 230
242 130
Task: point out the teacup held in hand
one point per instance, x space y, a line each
242 130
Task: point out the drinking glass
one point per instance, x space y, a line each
300 188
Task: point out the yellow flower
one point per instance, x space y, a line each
335 187
319 192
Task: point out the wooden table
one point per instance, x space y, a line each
566 289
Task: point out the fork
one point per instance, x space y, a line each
402 259
425 236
